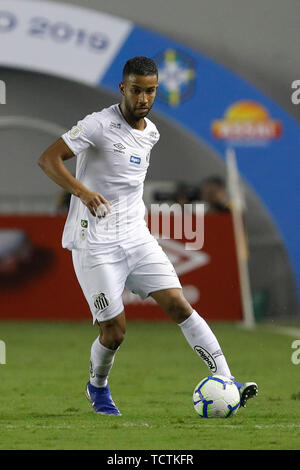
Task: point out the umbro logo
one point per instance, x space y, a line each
119 146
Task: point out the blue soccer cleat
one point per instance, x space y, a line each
247 390
101 400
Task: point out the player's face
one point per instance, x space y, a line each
138 94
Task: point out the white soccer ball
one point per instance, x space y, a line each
216 396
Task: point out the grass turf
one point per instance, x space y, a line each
43 404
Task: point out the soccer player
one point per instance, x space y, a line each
112 247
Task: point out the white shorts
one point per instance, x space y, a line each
142 269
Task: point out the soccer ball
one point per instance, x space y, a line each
216 396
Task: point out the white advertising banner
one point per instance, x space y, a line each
64 40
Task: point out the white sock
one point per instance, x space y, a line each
203 341
101 363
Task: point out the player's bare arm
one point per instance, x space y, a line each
52 163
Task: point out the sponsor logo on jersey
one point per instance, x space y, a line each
100 301
206 357
75 132
84 223
135 160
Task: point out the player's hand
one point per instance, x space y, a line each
96 203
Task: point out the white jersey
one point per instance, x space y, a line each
112 159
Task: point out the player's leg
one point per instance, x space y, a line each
154 275
102 285
200 337
103 353
195 329
104 349
112 331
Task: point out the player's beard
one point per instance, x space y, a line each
134 114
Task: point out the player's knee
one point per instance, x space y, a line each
178 308
112 332
112 342
112 338
118 339
115 344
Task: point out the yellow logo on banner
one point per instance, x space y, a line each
246 120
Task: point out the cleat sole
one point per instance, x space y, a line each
250 391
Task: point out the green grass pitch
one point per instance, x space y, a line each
43 405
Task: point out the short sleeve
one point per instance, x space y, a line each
82 135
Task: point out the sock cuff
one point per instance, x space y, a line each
97 344
191 320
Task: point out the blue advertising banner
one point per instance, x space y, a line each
224 111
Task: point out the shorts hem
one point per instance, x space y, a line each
109 317
156 289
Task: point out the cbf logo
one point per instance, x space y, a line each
176 76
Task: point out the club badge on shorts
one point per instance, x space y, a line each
101 301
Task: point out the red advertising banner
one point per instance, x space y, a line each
37 280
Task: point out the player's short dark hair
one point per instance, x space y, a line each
140 66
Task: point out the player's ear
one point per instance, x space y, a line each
121 87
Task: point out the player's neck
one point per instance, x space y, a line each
139 124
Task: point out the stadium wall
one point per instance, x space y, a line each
37 279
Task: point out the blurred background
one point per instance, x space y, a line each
225 71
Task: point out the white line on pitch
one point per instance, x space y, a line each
203 425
